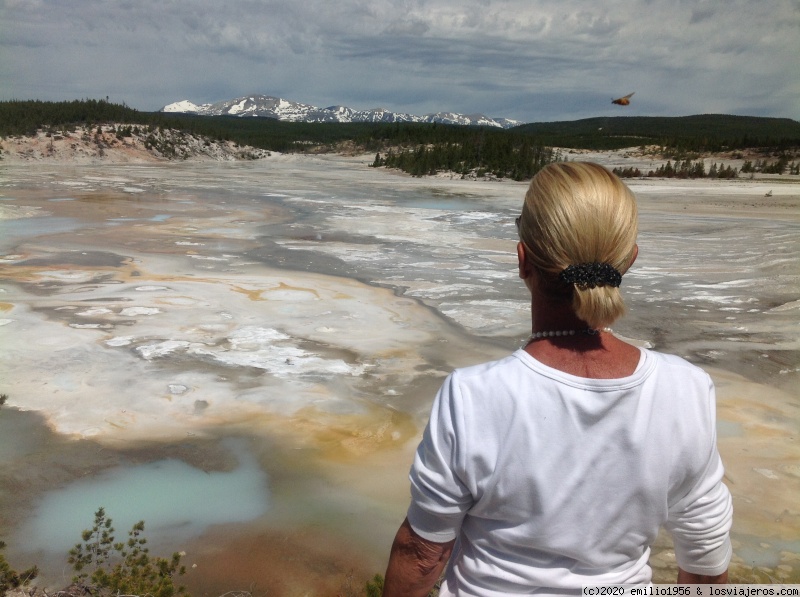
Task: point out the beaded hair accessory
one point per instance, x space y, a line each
590 275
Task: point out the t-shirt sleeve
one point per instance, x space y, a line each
439 497
700 521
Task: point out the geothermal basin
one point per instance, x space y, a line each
244 354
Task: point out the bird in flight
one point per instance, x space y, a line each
623 101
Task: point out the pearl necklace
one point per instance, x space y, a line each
555 334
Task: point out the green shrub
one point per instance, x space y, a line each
10 578
123 568
375 586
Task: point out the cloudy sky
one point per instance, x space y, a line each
531 60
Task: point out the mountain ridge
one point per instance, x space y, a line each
267 106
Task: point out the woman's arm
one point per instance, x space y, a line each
689 578
415 564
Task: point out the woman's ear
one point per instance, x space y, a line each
634 256
521 260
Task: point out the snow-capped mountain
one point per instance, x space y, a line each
274 107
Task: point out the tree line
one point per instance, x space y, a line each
708 132
678 134
424 148
779 166
515 157
681 169
696 169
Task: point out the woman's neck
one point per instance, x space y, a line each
596 355
599 355
546 317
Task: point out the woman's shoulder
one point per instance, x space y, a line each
501 366
514 371
674 362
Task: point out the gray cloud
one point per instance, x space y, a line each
525 59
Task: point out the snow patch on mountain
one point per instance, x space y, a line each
266 106
182 106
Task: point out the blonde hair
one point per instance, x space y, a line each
579 213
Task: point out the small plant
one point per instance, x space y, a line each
123 568
10 578
96 547
375 586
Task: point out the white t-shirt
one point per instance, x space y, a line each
551 481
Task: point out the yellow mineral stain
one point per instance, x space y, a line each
261 294
176 301
6 306
283 286
253 295
33 274
346 438
338 438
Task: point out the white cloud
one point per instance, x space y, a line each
526 59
